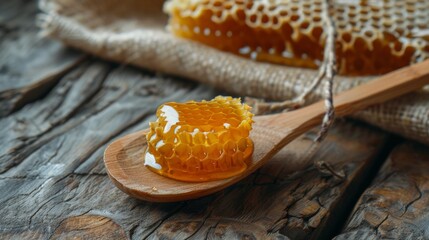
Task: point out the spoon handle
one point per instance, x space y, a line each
384 88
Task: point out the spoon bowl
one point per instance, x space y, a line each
124 158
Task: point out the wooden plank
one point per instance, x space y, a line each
396 206
29 64
53 181
287 198
53 177
49 142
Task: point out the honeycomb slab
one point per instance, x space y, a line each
373 37
200 141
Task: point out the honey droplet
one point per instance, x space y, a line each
200 141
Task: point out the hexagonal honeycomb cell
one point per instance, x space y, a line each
200 141
373 37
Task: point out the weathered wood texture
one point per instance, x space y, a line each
396 206
29 65
52 176
53 182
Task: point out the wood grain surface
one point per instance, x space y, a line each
29 65
396 205
59 109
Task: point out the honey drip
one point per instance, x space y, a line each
200 141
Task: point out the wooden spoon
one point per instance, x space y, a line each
124 157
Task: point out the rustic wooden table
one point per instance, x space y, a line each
60 108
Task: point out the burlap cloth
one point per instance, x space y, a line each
133 31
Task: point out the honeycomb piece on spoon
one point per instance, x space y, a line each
200 141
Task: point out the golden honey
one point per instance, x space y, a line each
373 37
200 141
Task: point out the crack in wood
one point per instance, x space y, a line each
161 221
382 221
44 204
213 227
203 222
420 195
